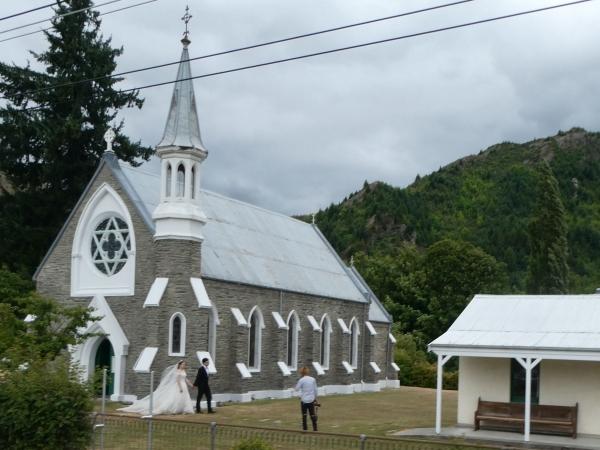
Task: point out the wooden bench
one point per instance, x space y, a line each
545 419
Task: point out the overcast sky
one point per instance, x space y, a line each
295 137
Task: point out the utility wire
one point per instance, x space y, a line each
59 15
367 44
31 10
51 28
249 47
351 47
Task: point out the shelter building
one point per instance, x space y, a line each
526 348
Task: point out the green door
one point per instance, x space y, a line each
104 357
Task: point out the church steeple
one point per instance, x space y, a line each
179 214
182 128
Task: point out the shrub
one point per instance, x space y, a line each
44 406
252 444
416 369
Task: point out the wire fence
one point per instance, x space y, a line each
117 432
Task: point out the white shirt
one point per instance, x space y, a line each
307 386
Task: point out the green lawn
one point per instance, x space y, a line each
374 414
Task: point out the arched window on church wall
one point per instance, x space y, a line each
325 342
180 181
193 185
254 341
177 335
168 181
292 340
354 332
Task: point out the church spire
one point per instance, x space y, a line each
182 129
179 213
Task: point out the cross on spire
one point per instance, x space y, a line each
186 18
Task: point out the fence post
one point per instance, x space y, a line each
103 409
213 435
363 440
150 409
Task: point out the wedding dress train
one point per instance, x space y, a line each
170 397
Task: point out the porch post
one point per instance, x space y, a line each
527 398
528 364
442 359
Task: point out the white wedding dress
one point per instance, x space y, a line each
170 397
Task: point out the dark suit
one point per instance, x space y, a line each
201 383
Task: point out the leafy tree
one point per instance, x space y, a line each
548 269
52 329
51 133
455 271
44 406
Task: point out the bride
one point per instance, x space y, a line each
170 397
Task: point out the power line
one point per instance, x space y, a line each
31 10
351 47
367 44
249 47
51 28
59 15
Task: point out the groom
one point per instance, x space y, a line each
201 383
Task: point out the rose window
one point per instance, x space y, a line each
110 245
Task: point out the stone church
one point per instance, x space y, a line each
174 271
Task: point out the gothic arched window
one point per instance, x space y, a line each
292 340
354 333
254 340
325 342
168 181
193 184
180 181
177 335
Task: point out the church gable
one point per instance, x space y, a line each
95 251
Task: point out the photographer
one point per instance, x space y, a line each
307 387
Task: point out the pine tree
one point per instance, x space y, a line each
548 270
51 139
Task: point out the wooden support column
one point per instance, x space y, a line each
442 359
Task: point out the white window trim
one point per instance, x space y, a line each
212 332
354 331
244 371
283 367
145 359
343 326
392 338
239 317
295 335
200 293
258 340
375 367
86 279
371 328
326 328
183 334
279 320
156 292
313 323
318 368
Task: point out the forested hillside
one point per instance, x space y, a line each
487 200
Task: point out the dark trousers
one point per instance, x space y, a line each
310 408
201 392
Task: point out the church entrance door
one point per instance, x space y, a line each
104 360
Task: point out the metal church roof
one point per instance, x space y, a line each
559 323
182 128
247 244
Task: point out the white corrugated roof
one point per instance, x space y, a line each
538 322
248 244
